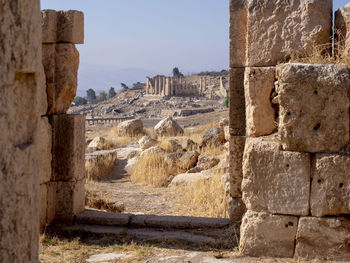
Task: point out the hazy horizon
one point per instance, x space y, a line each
127 40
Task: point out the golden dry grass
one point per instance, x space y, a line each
322 54
205 198
151 169
101 167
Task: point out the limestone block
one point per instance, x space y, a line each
314 107
70 199
277 29
45 150
260 114
43 206
342 30
330 190
268 235
51 201
61 63
43 94
275 181
68 150
238 32
130 128
323 238
49 20
237 102
237 144
66 79
20 58
70 27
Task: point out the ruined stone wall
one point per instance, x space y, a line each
62 171
20 108
293 173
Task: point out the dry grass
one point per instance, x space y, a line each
205 198
196 133
322 54
213 150
118 142
150 169
98 200
101 167
114 133
60 250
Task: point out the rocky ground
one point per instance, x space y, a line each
135 103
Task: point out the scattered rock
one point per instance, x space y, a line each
206 161
96 144
174 146
224 122
146 142
153 150
172 162
168 127
188 160
189 145
214 136
187 178
130 128
107 257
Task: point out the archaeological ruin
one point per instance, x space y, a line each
289 127
194 85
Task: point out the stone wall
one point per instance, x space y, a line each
62 171
293 174
20 108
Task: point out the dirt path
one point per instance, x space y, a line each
137 198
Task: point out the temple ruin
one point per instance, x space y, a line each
194 85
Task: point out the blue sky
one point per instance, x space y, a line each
125 40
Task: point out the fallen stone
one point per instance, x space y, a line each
187 178
206 161
330 190
168 127
314 107
266 235
189 145
97 217
97 144
260 115
172 163
281 188
174 146
188 160
130 128
213 137
323 238
146 142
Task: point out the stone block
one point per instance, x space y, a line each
260 114
49 20
43 94
43 207
237 210
323 238
278 29
45 150
275 181
20 58
236 162
237 102
70 200
330 190
238 32
70 27
314 107
68 150
51 201
342 30
268 235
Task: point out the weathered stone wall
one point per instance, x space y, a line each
20 109
62 172
295 183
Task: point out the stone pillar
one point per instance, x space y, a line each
63 136
20 106
156 85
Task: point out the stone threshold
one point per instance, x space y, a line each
102 218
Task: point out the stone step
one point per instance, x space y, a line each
145 234
98 217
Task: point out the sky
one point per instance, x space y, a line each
127 40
